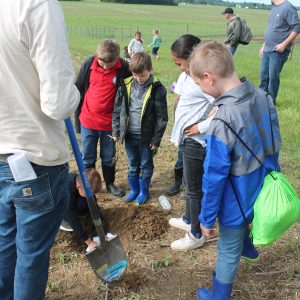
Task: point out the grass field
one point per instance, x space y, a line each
155 272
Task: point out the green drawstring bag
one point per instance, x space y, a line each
276 209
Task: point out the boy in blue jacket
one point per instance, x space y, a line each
230 171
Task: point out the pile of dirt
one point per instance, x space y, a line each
132 222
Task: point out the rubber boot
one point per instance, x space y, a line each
175 187
249 252
134 186
219 291
144 191
109 178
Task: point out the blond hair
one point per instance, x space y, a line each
108 50
213 57
94 179
140 62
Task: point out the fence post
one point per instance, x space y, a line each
187 28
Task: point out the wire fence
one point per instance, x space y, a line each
124 34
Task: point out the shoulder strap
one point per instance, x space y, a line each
269 172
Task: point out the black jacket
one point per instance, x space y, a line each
154 119
72 214
83 82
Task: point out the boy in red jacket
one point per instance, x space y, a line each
98 81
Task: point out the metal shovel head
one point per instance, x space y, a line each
108 261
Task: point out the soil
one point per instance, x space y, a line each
155 272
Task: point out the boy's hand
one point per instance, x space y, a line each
208 232
115 138
152 147
191 130
213 111
90 243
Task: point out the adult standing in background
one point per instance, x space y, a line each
283 27
37 94
233 29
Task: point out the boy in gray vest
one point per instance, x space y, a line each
233 177
140 118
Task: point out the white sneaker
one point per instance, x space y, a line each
65 226
188 242
179 223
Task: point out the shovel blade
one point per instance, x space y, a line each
109 262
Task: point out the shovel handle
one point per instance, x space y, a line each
89 194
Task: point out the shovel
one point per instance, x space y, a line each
109 259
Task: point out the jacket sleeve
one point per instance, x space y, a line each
80 83
117 112
46 39
161 115
217 166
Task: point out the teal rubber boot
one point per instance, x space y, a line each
134 186
143 196
219 291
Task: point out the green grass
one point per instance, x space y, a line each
207 22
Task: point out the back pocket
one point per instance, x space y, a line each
33 195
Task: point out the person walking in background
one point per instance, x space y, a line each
140 117
37 94
136 44
229 169
233 29
155 44
98 80
283 27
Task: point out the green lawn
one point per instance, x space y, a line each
204 21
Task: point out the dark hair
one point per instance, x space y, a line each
184 46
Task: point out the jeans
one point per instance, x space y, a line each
270 68
230 247
30 214
193 159
140 158
89 141
232 50
154 51
179 162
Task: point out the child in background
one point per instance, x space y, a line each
189 129
126 54
155 44
230 170
140 117
136 44
77 205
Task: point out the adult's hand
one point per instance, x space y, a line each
261 51
280 47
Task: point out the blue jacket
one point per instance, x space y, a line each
250 113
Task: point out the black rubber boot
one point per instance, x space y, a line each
175 187
109 178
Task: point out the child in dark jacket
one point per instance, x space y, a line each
140 117
77 204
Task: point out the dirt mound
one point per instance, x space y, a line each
132 222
